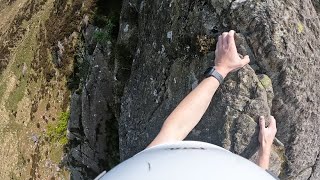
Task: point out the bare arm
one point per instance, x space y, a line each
190 110
266 137
188 113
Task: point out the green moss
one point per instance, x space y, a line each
57 132
265 81
104 35
57 135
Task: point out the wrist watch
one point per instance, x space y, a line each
211 71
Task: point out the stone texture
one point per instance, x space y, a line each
163 48
92 126
281 39
315 174
316 4
284 35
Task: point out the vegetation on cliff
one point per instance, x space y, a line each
57 132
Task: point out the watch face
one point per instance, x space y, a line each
209 71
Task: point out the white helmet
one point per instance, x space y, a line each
186 160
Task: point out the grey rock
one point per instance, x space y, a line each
158 51
283 47
243 48
24 69
88 35
316 170
305 173
287 54
92 126
75 113
76 174
35 138
316 4
85 21
220 5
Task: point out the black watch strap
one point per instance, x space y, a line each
211 71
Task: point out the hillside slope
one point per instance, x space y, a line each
34 96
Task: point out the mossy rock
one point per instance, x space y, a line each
265 81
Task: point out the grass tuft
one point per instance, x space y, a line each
57 133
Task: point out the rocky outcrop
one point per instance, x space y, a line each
171 54
287 48
162 49
92 126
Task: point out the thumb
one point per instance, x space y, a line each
245 60
262 123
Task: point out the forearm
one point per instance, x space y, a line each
266 137
188 113
263 158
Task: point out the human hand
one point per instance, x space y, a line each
266 137
267 134
227 58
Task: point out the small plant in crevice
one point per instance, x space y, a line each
57 132
103 35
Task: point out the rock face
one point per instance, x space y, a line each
93 126
174 43
162 50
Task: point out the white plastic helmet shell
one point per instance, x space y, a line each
186 160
